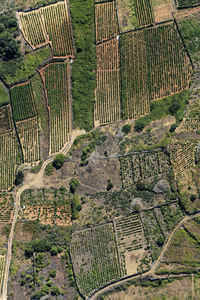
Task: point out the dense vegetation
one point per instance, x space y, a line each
188 3
16 70
83 75
4 98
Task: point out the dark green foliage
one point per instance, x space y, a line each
22 100
55 291
76 207
109 185
19 178
49 169
54 250
174 107
83 75
73 185
140 186
193 198
52 273
160 241
59 161
173 127
139 125
188 3
126 128
38 245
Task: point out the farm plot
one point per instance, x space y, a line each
157 223
154 64
131 244
25 117
50 24
56 78
144 12
2 267
162 10
187 3
139 166
191 121
6 208
10 154
182 155
107 95
95 258
48 206
105 21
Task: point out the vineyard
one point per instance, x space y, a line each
6 211
144 12
188 3
48 206
56 78
10 154
182 155
107 108
157 223
105 21
95 258
2 266
139 166
25 117
154 64
50 24
131 242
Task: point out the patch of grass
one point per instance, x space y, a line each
40 101
4 96
83 68
49 169
16 70
37 168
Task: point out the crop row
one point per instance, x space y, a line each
140 166
106 21
6 208
2 266
23 102
56 78
94 257
6 123
182 155
107 108
154 64
144 12
10 157
157 223
50 24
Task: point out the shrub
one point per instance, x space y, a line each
76 207
139 125
174 107
54 250
58 161
193 198
55 291
109 185
160 241
49 169
73 185
126 128
140 186
173 127
52 273
19 178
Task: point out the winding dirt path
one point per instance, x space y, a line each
33 180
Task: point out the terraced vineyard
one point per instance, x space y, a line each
2 266
182 155
6 208
157 223
131 243
107 108
10 154
95 258
105 21
25 117
50 24
139 166
48 206
154 64
56 78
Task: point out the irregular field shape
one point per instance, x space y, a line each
107 94
154 64
56 78
50 24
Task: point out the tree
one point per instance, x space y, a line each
109 185
19 178
126 128
58 161
73 185
174 107
173 127
139 125
193 198
160 241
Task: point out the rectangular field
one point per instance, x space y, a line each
6 119
50 24
25 117
6 208
56 77
162 10
137 167
107 94
2 267
154 64
106 21
94 257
